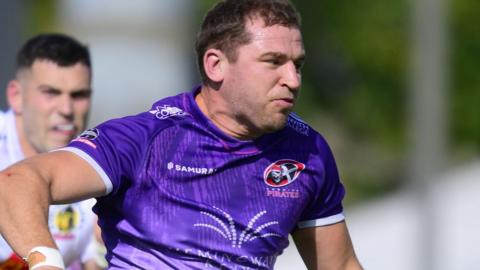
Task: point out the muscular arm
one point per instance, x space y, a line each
326 247
28 187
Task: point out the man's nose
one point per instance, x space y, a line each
65 106
291 76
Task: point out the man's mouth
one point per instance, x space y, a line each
65 128
288 100
285 102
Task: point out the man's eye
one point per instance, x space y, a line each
81 95
275 62
50 93
299 66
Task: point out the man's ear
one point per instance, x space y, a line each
14 96
214 64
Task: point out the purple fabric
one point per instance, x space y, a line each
187 196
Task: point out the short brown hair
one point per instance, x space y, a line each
223 27
59 48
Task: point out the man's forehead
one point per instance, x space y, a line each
43 62
47 72
258 31
277 39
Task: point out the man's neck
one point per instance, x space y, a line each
215 109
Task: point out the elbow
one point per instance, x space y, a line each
22 181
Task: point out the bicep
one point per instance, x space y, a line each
71 178
326 247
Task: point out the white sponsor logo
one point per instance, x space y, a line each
229 261
298 126
189 169
166 111
90 134
226 227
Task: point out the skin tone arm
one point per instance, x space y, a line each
326 247
28 187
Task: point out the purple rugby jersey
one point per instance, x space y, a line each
181 194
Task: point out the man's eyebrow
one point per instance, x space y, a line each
81 91
86 92
282 56
273 54
301 58
48 87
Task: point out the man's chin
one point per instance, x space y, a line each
56 145
276 125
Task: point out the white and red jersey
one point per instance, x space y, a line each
71 225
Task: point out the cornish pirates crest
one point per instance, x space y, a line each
282 172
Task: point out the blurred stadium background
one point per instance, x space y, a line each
394 86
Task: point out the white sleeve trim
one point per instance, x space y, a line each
321 221
106 180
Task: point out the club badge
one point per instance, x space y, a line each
282 172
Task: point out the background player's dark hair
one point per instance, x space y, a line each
59 48
223 27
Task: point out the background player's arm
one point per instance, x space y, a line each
95 252
28 187
326 247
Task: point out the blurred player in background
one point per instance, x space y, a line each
49 100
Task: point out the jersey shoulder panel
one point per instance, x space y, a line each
302 132
295 123
120 146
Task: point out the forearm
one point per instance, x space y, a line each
24 201
327 247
